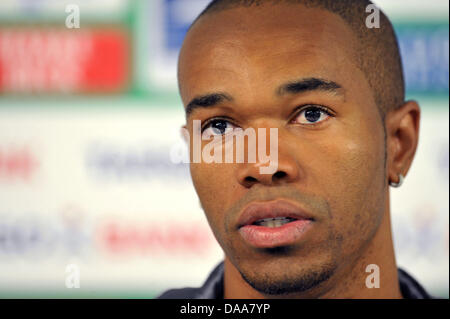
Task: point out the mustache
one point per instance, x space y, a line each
317 206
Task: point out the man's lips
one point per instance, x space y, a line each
263 210
260 236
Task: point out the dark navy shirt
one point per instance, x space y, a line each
213 288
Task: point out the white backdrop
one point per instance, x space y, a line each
88 181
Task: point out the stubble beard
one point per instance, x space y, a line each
290 282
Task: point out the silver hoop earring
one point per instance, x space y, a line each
400 181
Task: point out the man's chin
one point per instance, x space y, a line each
279 282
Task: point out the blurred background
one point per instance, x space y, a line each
89 120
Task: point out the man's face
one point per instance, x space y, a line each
330 165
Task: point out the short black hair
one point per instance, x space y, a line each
378 54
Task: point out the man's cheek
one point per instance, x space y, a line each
354 203
212 182
202 183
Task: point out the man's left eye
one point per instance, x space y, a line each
311 115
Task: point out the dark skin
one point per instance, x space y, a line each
334 168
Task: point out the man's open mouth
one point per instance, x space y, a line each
273 222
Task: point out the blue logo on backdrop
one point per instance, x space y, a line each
425 57
144 162
179 16
33 236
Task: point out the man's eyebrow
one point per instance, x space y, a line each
293 87
308 84
207 100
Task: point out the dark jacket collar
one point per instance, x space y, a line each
213 287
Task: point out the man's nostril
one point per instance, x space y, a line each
279 175
250 179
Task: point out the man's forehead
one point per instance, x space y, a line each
253 27
267 17
278 42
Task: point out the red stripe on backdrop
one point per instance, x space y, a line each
49 60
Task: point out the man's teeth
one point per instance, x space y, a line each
273 222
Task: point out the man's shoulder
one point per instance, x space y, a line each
181 293
410 288
211 289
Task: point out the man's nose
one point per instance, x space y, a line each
288 171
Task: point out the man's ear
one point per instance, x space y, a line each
402 137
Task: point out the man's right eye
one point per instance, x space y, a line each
217 127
